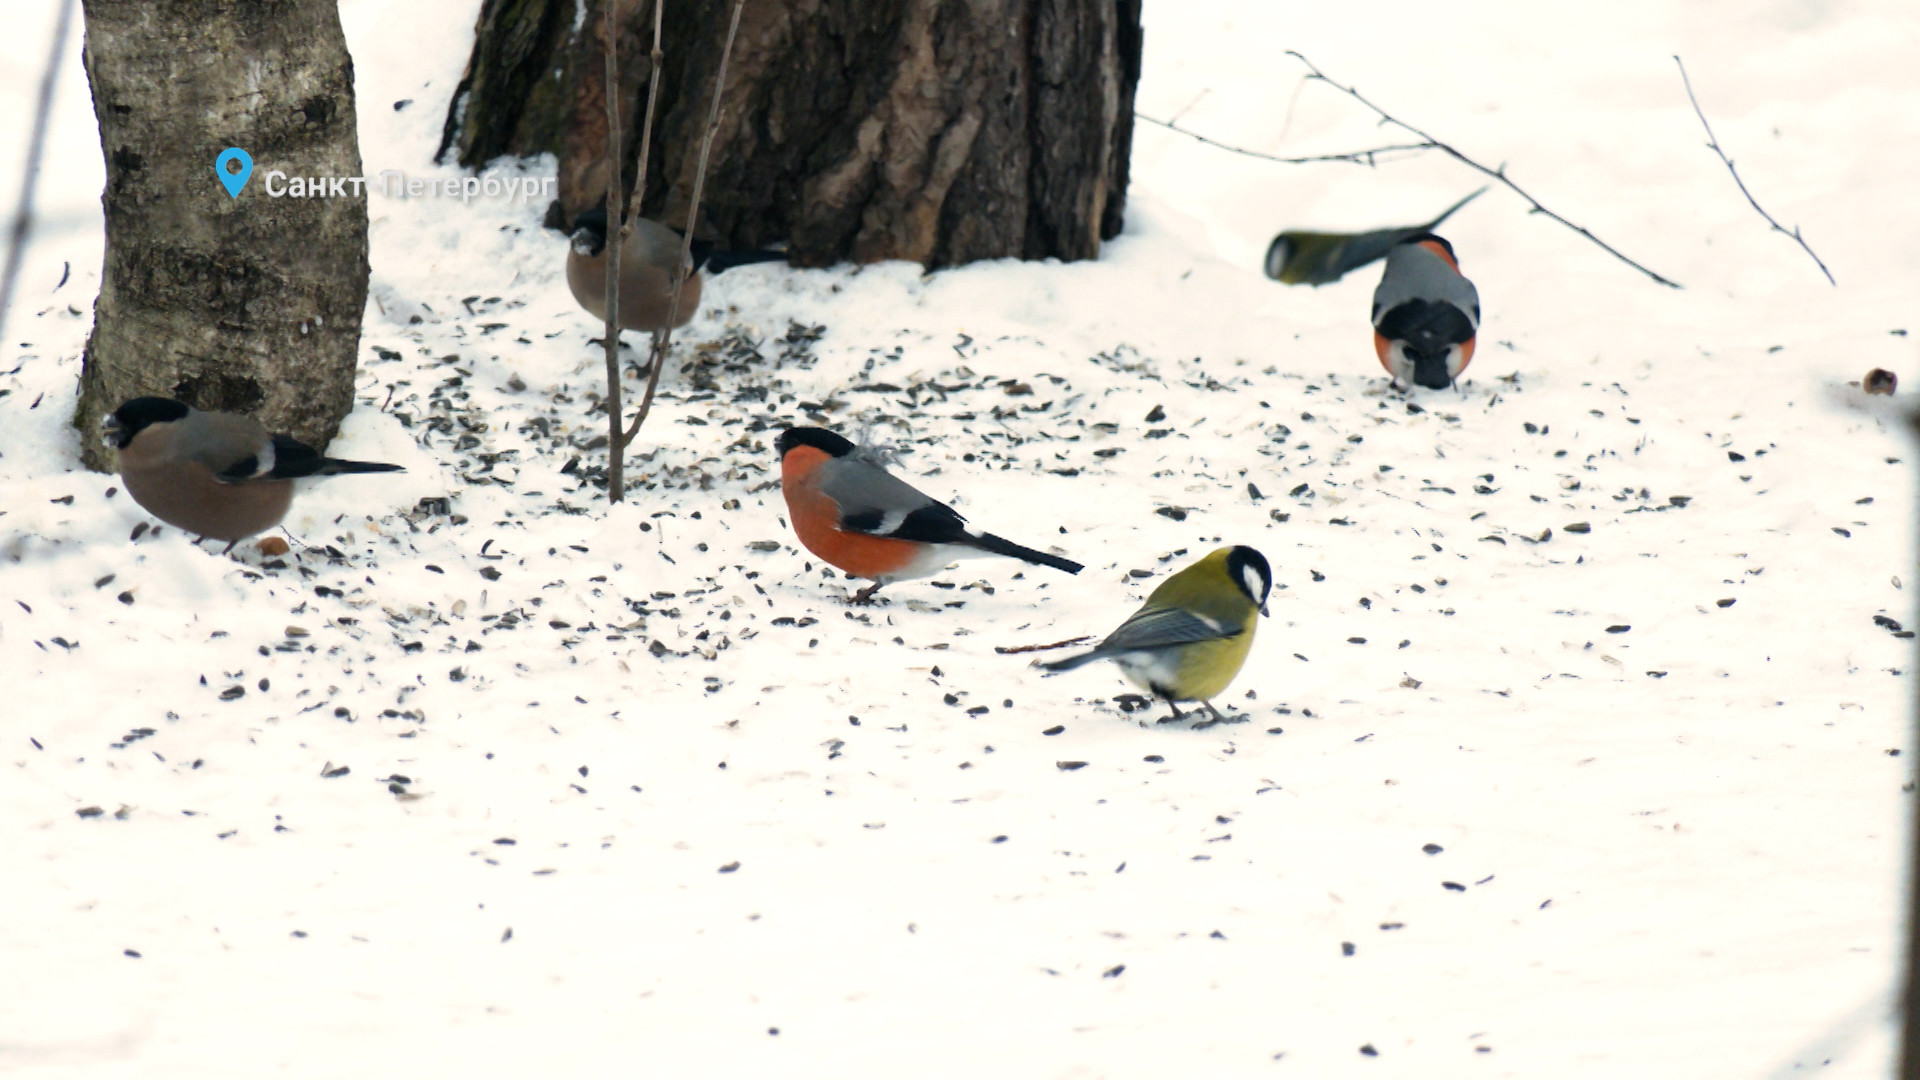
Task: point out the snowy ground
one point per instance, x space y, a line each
1573 747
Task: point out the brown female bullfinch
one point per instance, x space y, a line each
646 270
217 475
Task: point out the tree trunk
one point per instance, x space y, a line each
246 304
931 130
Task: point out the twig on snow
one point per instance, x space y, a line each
1009 650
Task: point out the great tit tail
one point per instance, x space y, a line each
1072 662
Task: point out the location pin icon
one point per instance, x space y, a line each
235 179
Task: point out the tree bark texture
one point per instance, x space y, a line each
938 131
250 304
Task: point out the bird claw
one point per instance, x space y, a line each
1218 718
865 597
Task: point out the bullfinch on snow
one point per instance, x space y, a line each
217 475
647 263
1425 314
847 509
1317 258
1188 641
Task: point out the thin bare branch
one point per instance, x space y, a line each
1197 99
616 463
42 108
1357 157
1499 174
664 340
646 128
1714 145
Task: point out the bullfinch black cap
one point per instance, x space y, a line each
135 416
818 438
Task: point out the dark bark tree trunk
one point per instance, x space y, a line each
931 130
246 304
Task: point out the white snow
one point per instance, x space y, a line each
1674 850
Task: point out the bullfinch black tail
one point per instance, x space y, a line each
998 546
293 459
335 466
715 261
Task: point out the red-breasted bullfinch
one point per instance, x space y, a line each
1425 314
847 509
217 475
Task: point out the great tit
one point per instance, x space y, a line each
1187 642
1317 258
1425 314
847 509
217 475
646 270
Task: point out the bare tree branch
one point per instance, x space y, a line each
1714 145
1197 99
1499 174
615 235
43 107
619 228
1357 157
664 339
646 129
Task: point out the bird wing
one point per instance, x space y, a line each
652 244
1415 273
233 447
1368 246
292 458
1448 212
877 503
1363 248
1159 628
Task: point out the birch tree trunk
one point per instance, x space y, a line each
245 304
